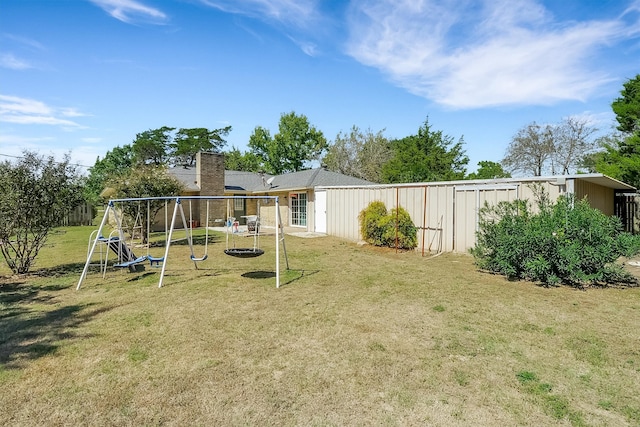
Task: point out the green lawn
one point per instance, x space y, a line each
355 336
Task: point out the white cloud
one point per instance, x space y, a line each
92 140
302 17
130 11
603 121
291 12
71 112
18 110
8 60
480 53
308 48
25 41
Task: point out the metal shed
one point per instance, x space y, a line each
446 213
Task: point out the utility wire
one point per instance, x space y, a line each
22 157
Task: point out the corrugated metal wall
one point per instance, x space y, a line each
430 208
445 214
599 197
469 199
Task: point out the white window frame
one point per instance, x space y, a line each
294 210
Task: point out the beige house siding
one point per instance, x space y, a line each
599 197
311 210
268 210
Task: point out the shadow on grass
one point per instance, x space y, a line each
272 274
303 273
60 270
28 331
14 293
140 276
180 240
259 274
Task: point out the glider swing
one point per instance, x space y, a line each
253 252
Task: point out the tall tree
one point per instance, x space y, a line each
360 154
292 148
428 156
620 159
152 146
530 150
550 149
117 161
144 181
572 140
627 107
489 170
620 155
235 160
188 142
35 195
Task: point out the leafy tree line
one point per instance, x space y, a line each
570 147
619 156
150 150
429 155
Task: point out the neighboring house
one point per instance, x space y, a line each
446 213
296 192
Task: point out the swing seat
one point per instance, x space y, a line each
244 252
193 258
155 262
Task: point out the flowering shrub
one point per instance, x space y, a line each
564 242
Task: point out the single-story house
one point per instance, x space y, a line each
446 213
296 191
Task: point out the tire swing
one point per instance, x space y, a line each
234 251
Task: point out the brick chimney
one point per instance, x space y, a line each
210 177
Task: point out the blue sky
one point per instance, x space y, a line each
84 76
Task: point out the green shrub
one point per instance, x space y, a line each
564 242
381 228
370 218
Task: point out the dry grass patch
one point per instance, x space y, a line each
355 336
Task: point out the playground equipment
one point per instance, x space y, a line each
127 259
253 228
206 238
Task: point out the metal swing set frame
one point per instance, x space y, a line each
130 261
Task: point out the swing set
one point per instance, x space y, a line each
117 242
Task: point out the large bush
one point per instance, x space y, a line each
564 242
35 194
381 228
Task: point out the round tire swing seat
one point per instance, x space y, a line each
244 252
